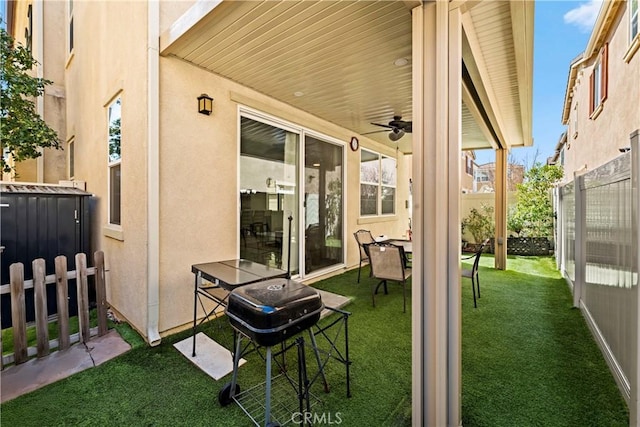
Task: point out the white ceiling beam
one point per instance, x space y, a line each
482 81
187 21
522 30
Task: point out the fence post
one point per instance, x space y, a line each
62 294
580 239
634 401
18 312
83 297
40 294
101 293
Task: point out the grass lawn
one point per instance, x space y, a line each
528 360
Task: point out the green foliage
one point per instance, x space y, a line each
23 130
480 223
533 216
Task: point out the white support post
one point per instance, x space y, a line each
436 322
580 239
634 401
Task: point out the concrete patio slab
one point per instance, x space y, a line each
215 360
20 379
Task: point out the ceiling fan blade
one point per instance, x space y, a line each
375 131
384 126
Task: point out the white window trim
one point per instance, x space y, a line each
380 185
117 228
71 146
634 39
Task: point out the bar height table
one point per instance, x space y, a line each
225 275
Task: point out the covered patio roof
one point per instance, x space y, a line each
350 62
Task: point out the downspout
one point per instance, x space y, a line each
153 172
38 16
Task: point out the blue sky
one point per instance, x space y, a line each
561 32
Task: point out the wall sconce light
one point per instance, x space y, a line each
205 104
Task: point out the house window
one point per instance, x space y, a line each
469 166
633 19
28 32
575 120
70 26
71 150
378 178
598 82
114 161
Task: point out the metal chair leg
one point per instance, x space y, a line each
473 287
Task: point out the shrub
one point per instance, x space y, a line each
480 223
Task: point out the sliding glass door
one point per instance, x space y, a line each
274 187
269 194
323 178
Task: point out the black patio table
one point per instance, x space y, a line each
223 277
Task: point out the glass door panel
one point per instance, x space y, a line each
268 194
323 202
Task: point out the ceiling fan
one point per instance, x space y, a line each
398 128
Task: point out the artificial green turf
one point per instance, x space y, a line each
528 360
158 386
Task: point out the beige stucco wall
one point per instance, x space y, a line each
597 140
199 172
109 58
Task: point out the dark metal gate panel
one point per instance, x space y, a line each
38 221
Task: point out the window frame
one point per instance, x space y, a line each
598 82
634 18
380 185
71 147
70 32
113 163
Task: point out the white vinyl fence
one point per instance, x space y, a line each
597 238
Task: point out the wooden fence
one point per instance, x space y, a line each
17 287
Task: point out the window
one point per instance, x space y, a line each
469 165
598 82
575 120
114 161
633 19
28 31
71 149
70 26
377 184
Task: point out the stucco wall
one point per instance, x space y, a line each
199 173
109 58
597 140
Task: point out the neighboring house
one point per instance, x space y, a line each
50 53
467 169
295 87
485 177
602 99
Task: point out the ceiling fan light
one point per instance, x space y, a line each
396 134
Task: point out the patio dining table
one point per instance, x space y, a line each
221 278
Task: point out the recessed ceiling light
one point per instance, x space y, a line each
401 62
298 93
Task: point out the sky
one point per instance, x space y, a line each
561 32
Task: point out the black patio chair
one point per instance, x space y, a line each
473 273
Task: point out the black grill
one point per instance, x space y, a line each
271 311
